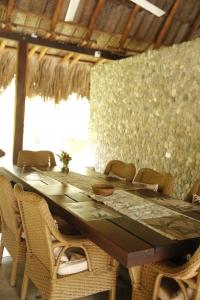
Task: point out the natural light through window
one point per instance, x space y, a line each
7 100
56 127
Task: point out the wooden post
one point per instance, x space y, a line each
20 96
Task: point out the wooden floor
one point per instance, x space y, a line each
9 293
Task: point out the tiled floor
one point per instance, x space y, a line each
9 293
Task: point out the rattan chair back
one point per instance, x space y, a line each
147 279
164 181
142 281
194 190
186 276
43 237
11 237
36 158
9 207
121 169
38 225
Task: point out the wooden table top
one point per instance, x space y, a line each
128 241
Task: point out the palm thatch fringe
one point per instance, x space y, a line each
53 79
49 78
7 68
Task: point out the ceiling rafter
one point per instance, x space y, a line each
9 10
59 45
129 25
115 49
33 50
167 24
75 60
47 34
67 57
83 59
55 17
194 28
42 53
92 23
100 61
2 45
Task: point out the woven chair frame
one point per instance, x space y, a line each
194 190
11 227
27 158
121 169
41 266
186 275
146 280
150 176
142 280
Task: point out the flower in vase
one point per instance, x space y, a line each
64 158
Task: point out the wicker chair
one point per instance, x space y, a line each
36 158
142 280
187 276
194 190
11 227
121 169
167 280
164 181
41 264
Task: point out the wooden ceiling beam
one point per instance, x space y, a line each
67 57
43 17
83 59
58 45
55 18
2 45
42 53
129 25
33 50
165 28
92 23
100 61
9 10
194 28
75 60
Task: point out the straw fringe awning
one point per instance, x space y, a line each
51 78
7 68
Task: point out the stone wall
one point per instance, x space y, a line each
146 110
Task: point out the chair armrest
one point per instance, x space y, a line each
171 270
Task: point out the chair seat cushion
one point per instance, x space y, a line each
76 264
152 187
70 262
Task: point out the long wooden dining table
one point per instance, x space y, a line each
130 242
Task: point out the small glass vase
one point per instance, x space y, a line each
65 169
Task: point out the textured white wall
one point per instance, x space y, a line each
149 105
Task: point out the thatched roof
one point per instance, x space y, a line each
113 28
54 79
8 68
50 77
113 25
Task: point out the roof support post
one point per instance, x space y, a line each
20 96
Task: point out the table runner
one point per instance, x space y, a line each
164 220
83 182
153 212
